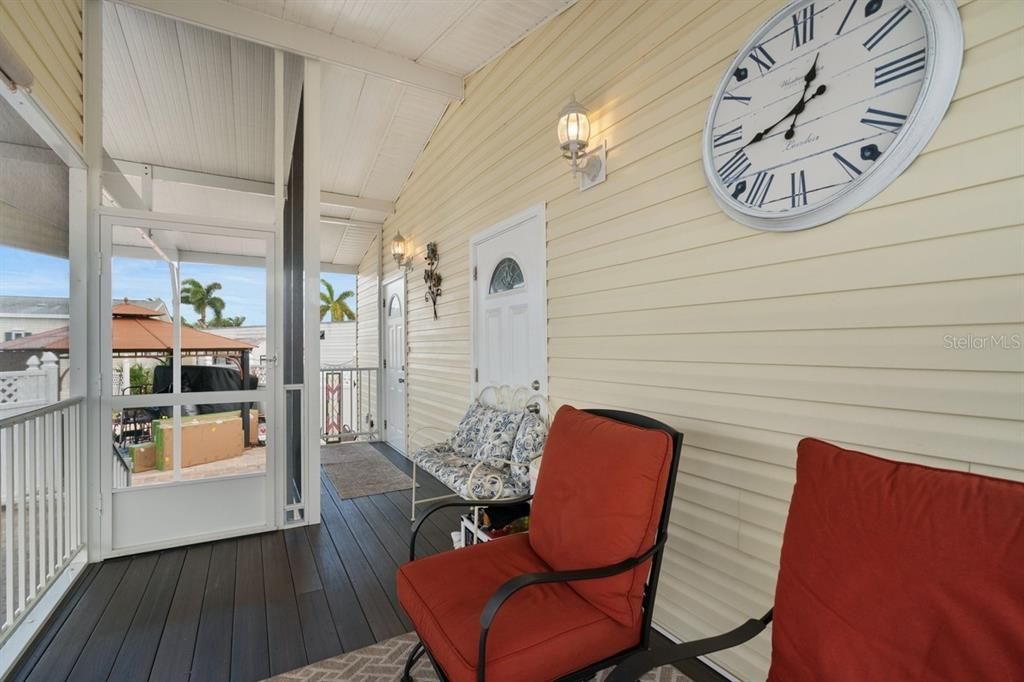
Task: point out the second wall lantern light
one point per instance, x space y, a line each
574 139
401 251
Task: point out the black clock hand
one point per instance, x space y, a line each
808 79
799 109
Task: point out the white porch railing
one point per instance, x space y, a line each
40 520
348 399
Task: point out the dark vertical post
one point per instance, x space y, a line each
294 290
245 406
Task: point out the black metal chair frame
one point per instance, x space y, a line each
510 587
641 662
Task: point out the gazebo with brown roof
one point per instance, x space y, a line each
138 331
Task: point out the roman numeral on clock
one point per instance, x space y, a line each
899 68
728 137
853 3
759 189
886 28
764 61
886 121
734 168
745 101
797 189
845 164
803 26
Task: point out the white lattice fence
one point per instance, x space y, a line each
30 388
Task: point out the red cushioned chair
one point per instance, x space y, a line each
574 594
889 571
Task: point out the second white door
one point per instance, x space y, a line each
394 363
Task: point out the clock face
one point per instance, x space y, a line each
815 103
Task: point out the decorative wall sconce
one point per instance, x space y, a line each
574 137
401 251
432 278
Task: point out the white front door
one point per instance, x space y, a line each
394 363
189 382
510 303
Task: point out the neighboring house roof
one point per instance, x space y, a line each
41 306
58 306
135 329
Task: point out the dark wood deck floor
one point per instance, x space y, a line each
246 608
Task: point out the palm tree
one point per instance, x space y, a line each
236 321
335 305
201 298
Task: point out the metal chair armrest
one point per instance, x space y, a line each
517 583
461 503
636 665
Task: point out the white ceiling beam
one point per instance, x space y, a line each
118 187
258 27
339 268
348 222
328 199
188 177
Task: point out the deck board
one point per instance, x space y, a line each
284 629
173 661
55 622
241 609
105 641
352 626
211 659
138 651
250 654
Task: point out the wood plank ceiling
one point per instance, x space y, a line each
184 97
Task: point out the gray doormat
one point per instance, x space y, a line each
384 662
359 469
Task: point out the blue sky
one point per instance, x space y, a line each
23 273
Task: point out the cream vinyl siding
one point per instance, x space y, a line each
744 340
47 37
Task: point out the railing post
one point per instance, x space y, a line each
51 372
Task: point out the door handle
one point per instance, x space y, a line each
535 385
401 381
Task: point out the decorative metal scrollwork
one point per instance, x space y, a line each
432 278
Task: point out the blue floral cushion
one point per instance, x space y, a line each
498 430
528 445
466 438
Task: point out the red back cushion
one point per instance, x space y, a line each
598 501
895 571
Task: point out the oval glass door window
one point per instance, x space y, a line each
507 275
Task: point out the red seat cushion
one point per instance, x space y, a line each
894 571
540 633
598 502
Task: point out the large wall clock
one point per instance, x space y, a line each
826 104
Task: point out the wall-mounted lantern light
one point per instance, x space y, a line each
401 251
574 138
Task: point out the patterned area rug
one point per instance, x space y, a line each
384 662
359 469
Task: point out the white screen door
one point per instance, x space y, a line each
510 303
394 363
189 391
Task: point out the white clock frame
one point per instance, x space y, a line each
944 57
